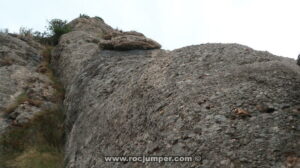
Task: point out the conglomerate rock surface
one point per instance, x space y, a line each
20 59
226 103
128 41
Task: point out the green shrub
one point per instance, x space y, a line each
84 16
58 27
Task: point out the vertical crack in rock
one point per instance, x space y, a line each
31 110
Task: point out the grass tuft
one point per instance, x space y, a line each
12 107
33 158
42 137
40 142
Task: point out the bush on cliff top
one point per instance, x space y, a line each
84 16
58 27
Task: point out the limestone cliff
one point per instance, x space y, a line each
227 103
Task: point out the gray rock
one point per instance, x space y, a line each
159 103
24 113
95 26
129 41
4 124
19 59
112 39
183 100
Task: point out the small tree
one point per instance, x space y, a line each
58 27
26 32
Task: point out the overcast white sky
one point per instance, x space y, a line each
271 25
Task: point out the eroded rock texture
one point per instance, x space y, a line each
24 91
128 41
229 104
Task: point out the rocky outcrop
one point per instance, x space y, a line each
95 26
112 39
227 104
128 41
24 91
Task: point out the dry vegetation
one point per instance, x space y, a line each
19 100
39 143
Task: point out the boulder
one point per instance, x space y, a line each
112 39
129 42
95 26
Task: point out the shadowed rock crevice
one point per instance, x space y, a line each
31 113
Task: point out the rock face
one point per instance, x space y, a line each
23 91
112 39
128 41
227 104
91 25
